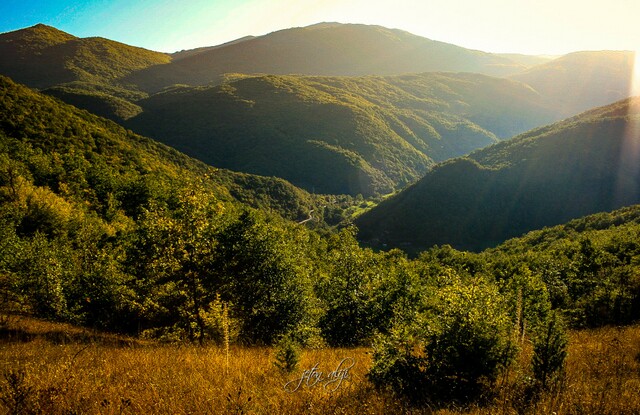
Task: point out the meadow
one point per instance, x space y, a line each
53 368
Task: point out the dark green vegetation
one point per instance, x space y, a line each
85 72
103 228
339 135
96 161
579 166
42 56
369 135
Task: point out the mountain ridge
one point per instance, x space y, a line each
544 177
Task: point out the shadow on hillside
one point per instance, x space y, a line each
59 337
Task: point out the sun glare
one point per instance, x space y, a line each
629 161
635 75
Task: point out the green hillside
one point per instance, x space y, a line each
80 157
582 80
548 176
42 56
367 135
87 73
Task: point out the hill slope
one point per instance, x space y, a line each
42 56
582 80
325 49
365 135
82 157
548 176
85 72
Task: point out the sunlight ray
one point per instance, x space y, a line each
629 160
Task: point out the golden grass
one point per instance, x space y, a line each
93 373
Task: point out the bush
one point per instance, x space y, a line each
457 349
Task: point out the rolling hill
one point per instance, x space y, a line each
329 49
82 157
367 135
582 80
42 56
583 165
351 134
85 72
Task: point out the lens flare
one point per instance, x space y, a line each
635 75
628 175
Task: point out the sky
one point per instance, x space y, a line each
538 27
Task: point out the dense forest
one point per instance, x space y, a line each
109 230
545 177
364 118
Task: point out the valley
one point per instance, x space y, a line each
437 229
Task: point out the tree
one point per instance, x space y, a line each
549 351
265 275
174 251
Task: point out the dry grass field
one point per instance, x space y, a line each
48 368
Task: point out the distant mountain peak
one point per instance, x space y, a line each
324 25
39 36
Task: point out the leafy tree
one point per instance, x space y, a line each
349 292
265 275
174 250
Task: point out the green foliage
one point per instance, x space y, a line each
542 178
470 342
265 275
287 354
176 248
549 351
364 291
396 365
383 132
454 351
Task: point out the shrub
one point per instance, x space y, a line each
287 354
454 351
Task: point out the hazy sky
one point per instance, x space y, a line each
524 26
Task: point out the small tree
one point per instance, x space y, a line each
287 354
175 250
549 351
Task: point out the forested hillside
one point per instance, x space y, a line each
329 49
580 81
583 165
106 229
367 135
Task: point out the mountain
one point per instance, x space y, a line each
42 56
85 72
582 80
527 61
329 49
82 157
367 135
585 164
191 52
